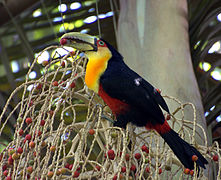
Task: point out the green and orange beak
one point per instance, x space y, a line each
79 41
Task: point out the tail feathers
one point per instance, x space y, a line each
183 150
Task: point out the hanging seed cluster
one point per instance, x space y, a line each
63 132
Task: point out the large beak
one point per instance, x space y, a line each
79 41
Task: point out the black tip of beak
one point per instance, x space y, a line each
95 44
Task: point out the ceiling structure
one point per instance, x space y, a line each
43 24
205 46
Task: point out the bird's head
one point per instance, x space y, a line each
93 47
98 51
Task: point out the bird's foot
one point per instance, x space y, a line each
107 118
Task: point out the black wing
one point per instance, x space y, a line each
156 95
129 87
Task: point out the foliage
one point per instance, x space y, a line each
204 31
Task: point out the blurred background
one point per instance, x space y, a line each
29 26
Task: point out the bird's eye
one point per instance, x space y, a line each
101 43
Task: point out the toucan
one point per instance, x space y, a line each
130 97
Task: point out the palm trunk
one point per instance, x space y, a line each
153 38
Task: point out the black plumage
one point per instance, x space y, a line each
142 102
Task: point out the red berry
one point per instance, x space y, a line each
63 170
215 157
52 149
28 120
115 177
160 171
34 153
67 165
1 156
123 169
127 157
5 173
111 154
91 132
39 133
137 156
120 154
31 103
72 53
51 112
63 64
121 176
8 178
45 63
21 132
10 160
194 158
28 137
147 169
98 167
70 166
133 167
168 117
4 167
76 174
43 144
55 83
11 151
30 169
50 174
79 168
63 41
158 90
144 148
72 85
42 123
32 144
186 171
15 156
191 172
39 86
58 172
63 83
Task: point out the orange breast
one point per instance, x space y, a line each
97 64
93 72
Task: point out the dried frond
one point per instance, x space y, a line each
62 132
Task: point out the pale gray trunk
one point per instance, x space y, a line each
153 38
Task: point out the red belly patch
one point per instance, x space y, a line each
160 128
117 106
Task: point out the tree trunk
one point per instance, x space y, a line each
153 38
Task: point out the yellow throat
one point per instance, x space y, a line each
97 64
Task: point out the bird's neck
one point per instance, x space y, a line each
96 66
